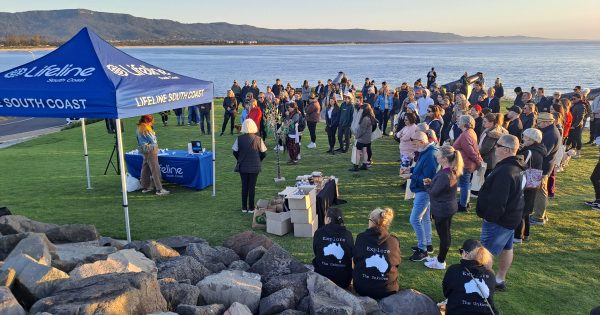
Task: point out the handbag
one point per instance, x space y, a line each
478 178
376 134
354 155
480 291
533 177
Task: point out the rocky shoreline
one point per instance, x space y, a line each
70 269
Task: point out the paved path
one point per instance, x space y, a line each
15 130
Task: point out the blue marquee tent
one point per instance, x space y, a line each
88 78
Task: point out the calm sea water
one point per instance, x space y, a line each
552 65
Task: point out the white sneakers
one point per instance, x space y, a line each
312 145
163 192
299 156
433 263
278 148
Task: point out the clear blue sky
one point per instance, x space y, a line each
566 19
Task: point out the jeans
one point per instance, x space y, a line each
541 200
248 189
464 182
442 226
205 116
226 118
312 128
421 220
383 116
193 114
344 136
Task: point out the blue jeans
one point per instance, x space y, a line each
193 114
496 238
421 220
464 182
205 116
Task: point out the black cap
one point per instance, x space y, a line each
366 79
518 89
515 109
470 244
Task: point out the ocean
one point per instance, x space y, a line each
556 66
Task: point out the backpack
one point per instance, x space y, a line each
301 123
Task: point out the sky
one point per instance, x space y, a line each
556 19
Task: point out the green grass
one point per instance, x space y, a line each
44 179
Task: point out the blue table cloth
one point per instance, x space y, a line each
177 166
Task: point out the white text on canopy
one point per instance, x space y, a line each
168 98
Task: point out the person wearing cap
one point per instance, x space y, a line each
420 219
528 116
534 152
500 204
519 97
468 147
431 76
578 111
344 132
550 139
514 124
333 247
469 286
475 112
379 278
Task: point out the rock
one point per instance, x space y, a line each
127 260
68 256
124 293
111 242
157 251
326 295
321 305
295 281
304 304
4 211
239 265
7 277
255 254
179 293
238 309
33 280
370 305
278 302
180 242
204 253
409 302
226 255
246 241
231 286
136 245
181 268
8 243
72 233
277 262
9 304
13 224
36 246
292 312
213 309
162 313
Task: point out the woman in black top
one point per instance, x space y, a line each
333 245
332 120
249 151
377 257
469 286
230 105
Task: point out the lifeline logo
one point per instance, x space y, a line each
51 71
141 70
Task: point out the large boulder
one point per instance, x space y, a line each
4 211
179 293
408 302
72 233
277 262
182 268
125 293
8 243
157 251
36 246
278 302
226 255
68 256
213 309
324 293
238 309
369 304
111 242
127 260
246 241
255 255
239 265
295 281
321 305
13 224
8 304
231 286
180 242
206 254
33 280
292 312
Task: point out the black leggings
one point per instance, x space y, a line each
344 134
574 140
442 226
228 116
595 178
248 189
331 136
312 128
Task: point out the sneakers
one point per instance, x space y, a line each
354 168
244 210
278 148
534 221
429 249
501 286
163 192
517 241
364 167
299 156
596 207
435 264
251 211
311 145
147 190
418 255
591 203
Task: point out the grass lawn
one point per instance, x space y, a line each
44 179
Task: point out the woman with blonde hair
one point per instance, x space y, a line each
377 257
148 146
442 200
469 286
249 150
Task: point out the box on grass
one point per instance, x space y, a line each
304 216
279 223
302 199
306 230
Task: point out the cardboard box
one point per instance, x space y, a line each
279 223
287 191
304 216
302 202
306 230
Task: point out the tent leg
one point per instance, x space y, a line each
214 148
85 154
123 178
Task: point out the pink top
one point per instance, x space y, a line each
406 146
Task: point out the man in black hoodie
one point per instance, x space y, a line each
500 204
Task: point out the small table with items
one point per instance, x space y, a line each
177 166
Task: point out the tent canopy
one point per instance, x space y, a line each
88 78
